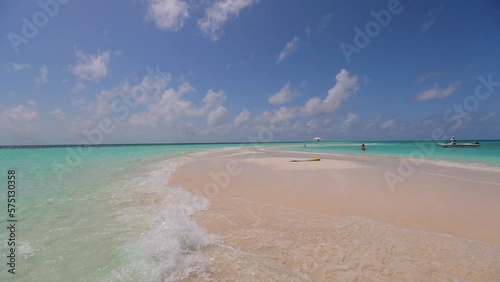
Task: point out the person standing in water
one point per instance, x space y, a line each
363 147
453 141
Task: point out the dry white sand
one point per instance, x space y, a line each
339 220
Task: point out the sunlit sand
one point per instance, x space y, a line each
338 220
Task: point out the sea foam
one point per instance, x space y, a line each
170 245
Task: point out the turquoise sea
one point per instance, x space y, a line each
487 154
106 214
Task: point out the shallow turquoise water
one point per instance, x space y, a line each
488 153
106 214
99 213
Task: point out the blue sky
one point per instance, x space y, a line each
145 71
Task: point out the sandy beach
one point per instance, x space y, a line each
339 219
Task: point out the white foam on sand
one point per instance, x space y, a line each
169 246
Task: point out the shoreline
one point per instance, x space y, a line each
435 161
261 192
369 163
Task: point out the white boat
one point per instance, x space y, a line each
458 145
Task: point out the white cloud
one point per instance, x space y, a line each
117 53
18 67
371 122
91 67
79 87
103 102
171 107
20 115
59 114
347 85
213 99
459 120
176 113
488 116
243 117
218 13
324 23
217 116
281 97
278 117
387 124
148 90
351 118
168 14
438 93
43 76
312 125
144 119
431 18
427 25
295 127
19 124
429 122
290 47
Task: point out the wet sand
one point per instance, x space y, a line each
340 220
